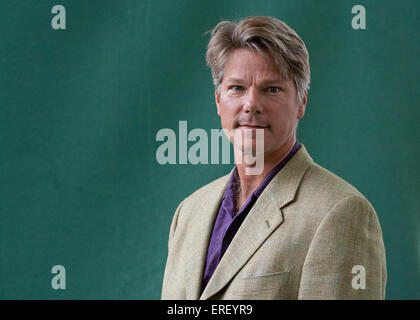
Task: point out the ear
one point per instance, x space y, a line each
302 106
217 98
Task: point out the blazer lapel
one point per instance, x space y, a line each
202 222
264 217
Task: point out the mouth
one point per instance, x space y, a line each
252 126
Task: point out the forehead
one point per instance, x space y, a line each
244 63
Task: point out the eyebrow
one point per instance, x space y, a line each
265 82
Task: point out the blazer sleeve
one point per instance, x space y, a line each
171 288
174 223
346 257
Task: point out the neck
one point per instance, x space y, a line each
248 183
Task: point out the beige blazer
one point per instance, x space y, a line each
310 235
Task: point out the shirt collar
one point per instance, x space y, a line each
257 192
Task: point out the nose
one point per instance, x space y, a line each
253 101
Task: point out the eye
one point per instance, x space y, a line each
236 88
273 89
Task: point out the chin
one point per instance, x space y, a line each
251 147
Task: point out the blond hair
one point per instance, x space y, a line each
265 35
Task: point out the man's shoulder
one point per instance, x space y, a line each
327 188
326 181
212 188
316 181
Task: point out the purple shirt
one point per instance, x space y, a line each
227 224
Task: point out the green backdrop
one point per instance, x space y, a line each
80 109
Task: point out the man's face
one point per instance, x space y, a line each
253 95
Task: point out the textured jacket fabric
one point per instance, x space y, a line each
310 235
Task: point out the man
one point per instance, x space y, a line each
296 230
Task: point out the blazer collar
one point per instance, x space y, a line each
263 218
201 226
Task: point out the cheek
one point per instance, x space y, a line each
282 121
225 117
229 101
227 110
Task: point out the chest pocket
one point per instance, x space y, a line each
260 286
